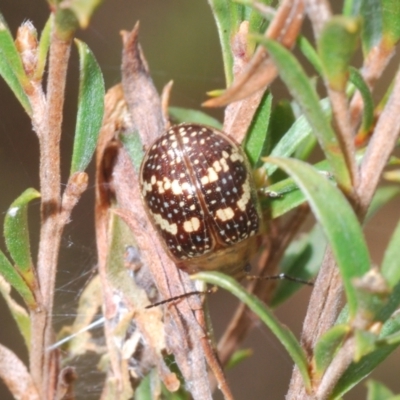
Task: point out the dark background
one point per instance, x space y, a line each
180 42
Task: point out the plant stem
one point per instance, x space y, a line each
380 147
52 224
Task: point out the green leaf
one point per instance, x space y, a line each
221 10
358 371
368 114
306 96
90 109
390 264
336 46
65 22
310 53
391 22
371 12
237 357
302 260
43 49
394 338
134 147
143 391
83 10
257 133
378 391
19 313
287 194
338 220
284 335
294 137
11 68
237 12
281 120
257 22
16 234
382 196
373 295
327 346
365 343
12 276
188 115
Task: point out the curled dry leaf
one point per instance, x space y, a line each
252 77
15 375
66 379
165 95
121 302
141 96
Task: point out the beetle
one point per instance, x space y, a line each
198 190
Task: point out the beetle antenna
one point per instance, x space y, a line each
182 296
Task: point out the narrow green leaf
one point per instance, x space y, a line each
338 220
281 120
43 49
304 93
305 148
19 313
298 132
368 114
10 53
189 115
373 296
378 391
134 147
391 22
302 260
12 276
358 371
310 53
336 46
237 12
16 234
65 22
11 68
83 10
394 338
365 343
284 335
327 346
287 195
90 109
371 12
257 22
257 133
238 356
143 391
382 196
222 14
390 264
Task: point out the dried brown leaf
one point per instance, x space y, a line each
140 94
65 382
253 77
